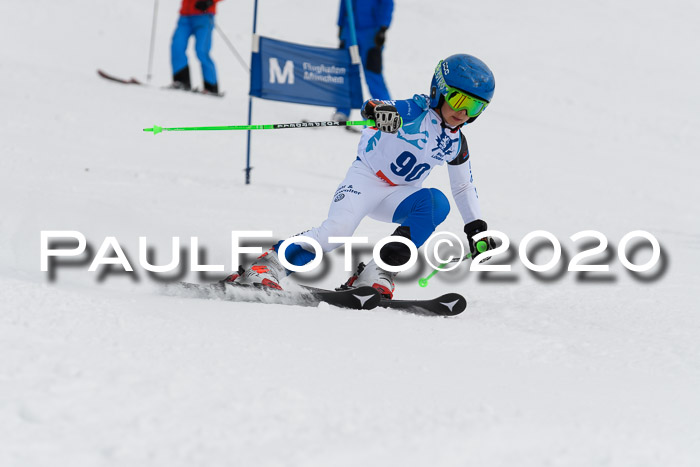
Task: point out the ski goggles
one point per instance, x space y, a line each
460 100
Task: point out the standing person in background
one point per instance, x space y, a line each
196 18
372 19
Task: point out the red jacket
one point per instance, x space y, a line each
188 8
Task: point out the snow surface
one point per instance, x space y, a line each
594 126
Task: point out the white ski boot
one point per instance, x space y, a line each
266 271
373 276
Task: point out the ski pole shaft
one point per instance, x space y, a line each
481 246
232 48
423 281
274 126
153 40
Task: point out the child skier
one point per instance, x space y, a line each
384 182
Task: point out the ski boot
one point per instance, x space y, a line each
210 88
266 271
233 277
181 80
373 276
339 117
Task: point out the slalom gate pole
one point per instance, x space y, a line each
354 48
248 168
274 126
481 246
153 41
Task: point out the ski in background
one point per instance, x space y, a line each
116 79
107 76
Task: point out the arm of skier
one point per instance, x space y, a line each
385 8
466 198
389 116
384 13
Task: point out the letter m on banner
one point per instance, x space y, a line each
279 75
302 74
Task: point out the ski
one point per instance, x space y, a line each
195 91
450 304
107 76
362 298
116 79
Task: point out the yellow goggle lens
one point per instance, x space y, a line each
458 100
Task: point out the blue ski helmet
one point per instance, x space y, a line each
464 72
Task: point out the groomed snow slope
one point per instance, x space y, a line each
594 126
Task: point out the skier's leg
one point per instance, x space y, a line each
419 211
178 52
342 113
377 86
372 65
204 26
356 196
365 40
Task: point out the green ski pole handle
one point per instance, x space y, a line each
481 246
274 126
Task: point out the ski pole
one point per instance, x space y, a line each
275 126
481 246
153 40
232 48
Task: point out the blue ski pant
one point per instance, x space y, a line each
363 194
201 26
